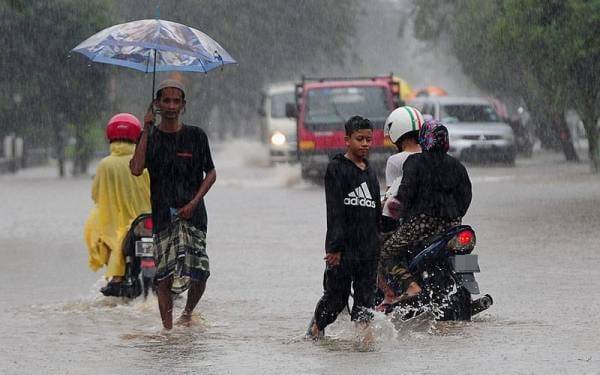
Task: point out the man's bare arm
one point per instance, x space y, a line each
138 162
187 210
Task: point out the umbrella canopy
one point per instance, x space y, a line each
155 45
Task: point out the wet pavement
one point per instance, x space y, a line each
537 228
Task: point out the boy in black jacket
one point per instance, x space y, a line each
352 242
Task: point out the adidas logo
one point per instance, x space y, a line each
361 196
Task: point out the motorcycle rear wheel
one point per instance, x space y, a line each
459 306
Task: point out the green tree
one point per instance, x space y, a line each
544 52
581 56
55 90
271 40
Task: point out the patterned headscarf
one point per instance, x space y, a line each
433 136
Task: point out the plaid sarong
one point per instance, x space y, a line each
180 250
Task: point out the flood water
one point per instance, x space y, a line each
537 227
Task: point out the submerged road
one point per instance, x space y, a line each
537 227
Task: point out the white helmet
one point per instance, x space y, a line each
401 121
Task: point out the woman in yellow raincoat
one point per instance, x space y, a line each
119 198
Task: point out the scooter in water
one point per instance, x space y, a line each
140 265
445 269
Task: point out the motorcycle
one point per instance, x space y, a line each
445 269
140 265
523 138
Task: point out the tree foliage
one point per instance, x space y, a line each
47 95
271 40
43 90
543 52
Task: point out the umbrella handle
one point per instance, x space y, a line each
218 56
153 75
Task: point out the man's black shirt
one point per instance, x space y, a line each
177 163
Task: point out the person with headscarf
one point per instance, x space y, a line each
435 194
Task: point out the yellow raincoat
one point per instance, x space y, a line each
119 198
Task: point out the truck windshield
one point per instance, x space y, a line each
467 113
278 102
333 106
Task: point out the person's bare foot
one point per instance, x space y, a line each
387 301
185 319
314 330
314 333
413 289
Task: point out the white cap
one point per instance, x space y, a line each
171 83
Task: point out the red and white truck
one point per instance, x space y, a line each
322 107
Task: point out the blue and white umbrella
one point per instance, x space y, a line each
155 45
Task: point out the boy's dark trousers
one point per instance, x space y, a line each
362 276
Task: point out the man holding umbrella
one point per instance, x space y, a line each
182 172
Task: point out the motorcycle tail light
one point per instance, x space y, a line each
463 241
465 237
148 223
147 263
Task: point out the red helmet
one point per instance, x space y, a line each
123 127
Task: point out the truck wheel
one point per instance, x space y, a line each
304 173
316 179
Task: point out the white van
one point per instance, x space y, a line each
277 130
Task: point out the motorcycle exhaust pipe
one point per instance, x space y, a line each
481 304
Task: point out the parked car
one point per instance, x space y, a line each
476 132
277 130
